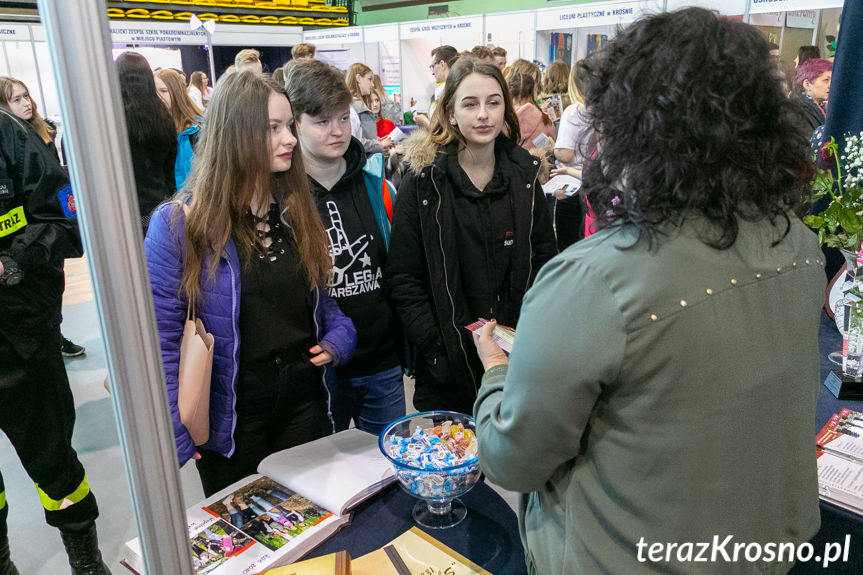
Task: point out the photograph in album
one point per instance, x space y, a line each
286 514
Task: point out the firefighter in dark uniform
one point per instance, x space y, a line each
37 412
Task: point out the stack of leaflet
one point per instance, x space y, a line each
502 335
840 460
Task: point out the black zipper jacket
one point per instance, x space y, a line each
36 232
423 279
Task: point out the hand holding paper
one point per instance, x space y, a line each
492 341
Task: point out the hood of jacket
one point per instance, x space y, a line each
355 159
420 150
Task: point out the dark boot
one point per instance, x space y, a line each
82 547
6 565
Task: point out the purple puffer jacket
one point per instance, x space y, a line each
219 311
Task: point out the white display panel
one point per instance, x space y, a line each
339 58
389 61
417 81
381 33
761 6
514 32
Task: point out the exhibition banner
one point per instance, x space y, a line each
802 19
604 14
433 28
341 36
726 7
761 6
156 33
14 32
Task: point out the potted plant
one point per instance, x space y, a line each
840 225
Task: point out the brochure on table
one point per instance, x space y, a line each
302 497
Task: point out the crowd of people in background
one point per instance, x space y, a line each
332 242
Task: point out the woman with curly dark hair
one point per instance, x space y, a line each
685 317
152 138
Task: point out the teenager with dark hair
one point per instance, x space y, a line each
646 354
443 59
355 203
806 53
244 249
470 231
152 138
37 410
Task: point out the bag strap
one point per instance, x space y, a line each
190 316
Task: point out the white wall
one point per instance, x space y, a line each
417 81
514 32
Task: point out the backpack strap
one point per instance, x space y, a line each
388 200
380 194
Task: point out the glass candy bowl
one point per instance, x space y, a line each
449 467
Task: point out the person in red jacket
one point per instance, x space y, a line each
385 126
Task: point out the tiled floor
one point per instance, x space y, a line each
36 548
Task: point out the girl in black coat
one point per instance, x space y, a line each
470 230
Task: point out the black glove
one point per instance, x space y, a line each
12 274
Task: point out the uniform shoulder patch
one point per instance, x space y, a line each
67 202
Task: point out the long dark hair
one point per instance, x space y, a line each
147 119
231 168
705 131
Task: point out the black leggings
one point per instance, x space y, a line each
280 404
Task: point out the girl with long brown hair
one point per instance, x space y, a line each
470 230
360 81
186 117
242 247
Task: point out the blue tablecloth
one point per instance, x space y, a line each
835 522
488 536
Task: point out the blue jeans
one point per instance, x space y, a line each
372 401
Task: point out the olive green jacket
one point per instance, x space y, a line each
665 394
